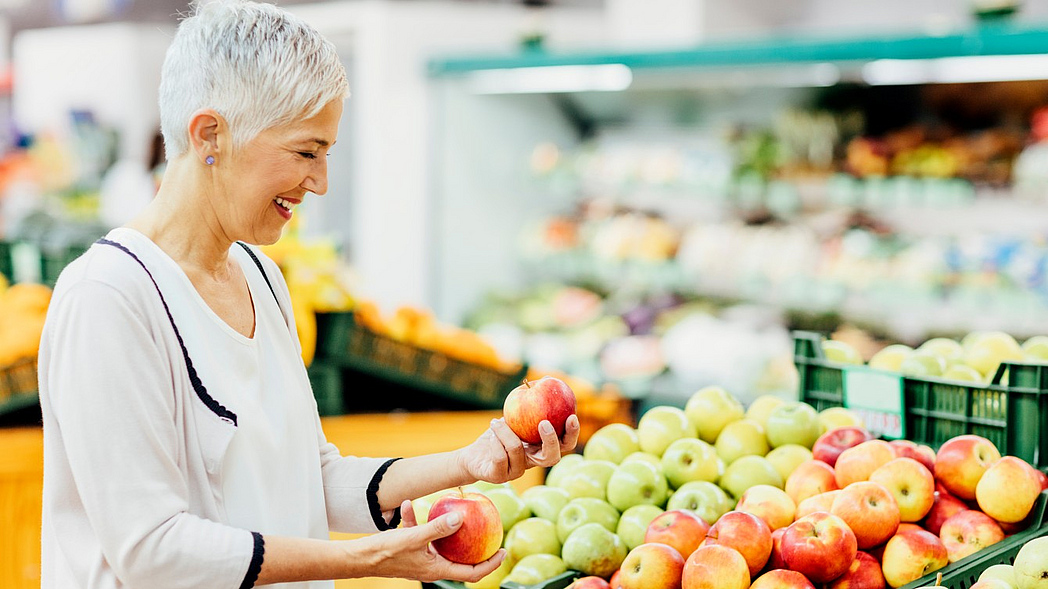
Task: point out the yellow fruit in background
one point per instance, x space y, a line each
494 579
891 357
964 373
840 352
368 316
1035 349
3 284
787 458
835 417
949 350
306 326
26 298
987 353
710 409
762 407
923 364
969 340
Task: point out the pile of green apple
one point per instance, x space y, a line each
1030 570
975 358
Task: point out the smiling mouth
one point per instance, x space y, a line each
284 204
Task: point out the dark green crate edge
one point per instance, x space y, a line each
965 572
559 582
19 401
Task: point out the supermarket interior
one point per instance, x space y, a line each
787 258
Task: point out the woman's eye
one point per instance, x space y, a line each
308 155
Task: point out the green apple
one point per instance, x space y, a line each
690 459
1035 349
588 478
643 457
564 466
636 483
762 407
987 353
532 536
710 409
483 486
661 426
1002 572
787 458
747 472
922 365
707 500
1031 565
633 524
949 350
594 550
741 438
421 505
890 357
512 508
585 510
962 372
536 568
494 579
840 352
793 423
612 442
545 501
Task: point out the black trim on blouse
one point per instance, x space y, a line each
257 556
376 511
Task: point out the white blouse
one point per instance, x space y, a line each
153 480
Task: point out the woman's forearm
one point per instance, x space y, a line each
412 478
289 560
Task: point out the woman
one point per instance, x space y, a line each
182 443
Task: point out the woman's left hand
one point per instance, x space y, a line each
499 455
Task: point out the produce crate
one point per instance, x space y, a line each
559 582
7 266
53 261
965 572
326 382
18 385
1011 412
341 341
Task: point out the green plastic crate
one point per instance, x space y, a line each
7 266
341 341
559 582
1014 416
18 385
965 572
326 381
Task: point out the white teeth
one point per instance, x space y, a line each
287 205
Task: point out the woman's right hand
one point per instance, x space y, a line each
406 552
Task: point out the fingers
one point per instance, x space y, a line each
550 451
445 525
514 448
472 574
407 514
571 434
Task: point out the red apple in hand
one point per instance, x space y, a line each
480 535
678 528
529 404
652 566
944 507
919 452
864 573
969 532
830 444
820 546
715 567
782 579
961 462
746 533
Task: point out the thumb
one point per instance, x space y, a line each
443 526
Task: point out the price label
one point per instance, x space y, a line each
877 397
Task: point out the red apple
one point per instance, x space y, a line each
782 579
1008 489
678 528
919 452
820 546
769 503
652 566
908 527
830 444
1043 478
820 502
715 567
547 399
809 479
591 582
745 533
480 535
969 532
856 464
912 555
911 483
943 508
864 573
870 511
961 462
775 561
616 580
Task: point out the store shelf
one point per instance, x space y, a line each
1008 39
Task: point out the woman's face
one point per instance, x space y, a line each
272 173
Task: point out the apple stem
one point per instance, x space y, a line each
938 580
527 384
463 494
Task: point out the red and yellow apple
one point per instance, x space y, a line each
856 464
652 566
962 461
830 444
944 507
870 511
864 573
912 485
775 561
782 579
820 546
820 502
678 528
480 535
919 452
809 479
769 503
616 580
528 405
968 532
1008 489
590 582
910 556
715 567
745 533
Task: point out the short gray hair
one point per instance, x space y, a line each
255 64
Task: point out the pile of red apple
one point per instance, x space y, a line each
864 514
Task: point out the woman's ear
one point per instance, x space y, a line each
207 133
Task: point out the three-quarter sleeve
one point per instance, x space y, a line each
110 390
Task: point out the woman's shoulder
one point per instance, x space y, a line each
106 264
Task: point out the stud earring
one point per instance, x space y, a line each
209 160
